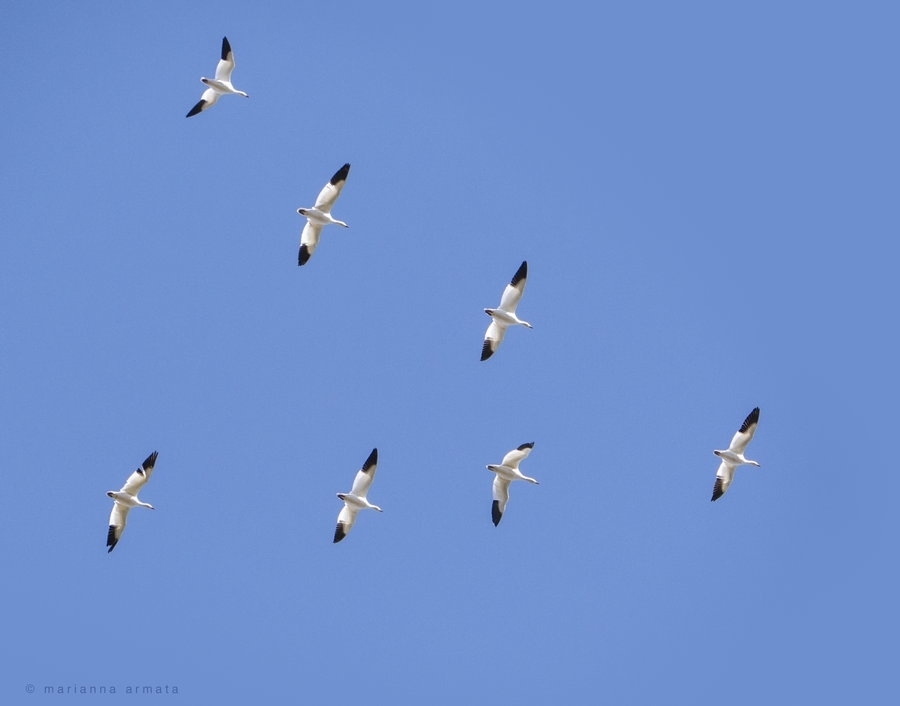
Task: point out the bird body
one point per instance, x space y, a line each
734 459
357 502
506 318
320 217
509 473
127 500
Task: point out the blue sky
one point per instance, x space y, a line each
706 198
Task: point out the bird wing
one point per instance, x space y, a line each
724 476
345 521
117 519
514 290
329 193
207 100
226 63
501 496
309 239
492 338
745 433
139 478
517 455
365 475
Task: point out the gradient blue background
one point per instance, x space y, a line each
706 194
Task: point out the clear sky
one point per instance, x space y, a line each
706 195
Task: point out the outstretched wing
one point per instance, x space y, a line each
309 239
501 496
724 476
226 62
117 519
745 433
514 290
517 455
365 475
344 522
139 478
492 339
329 193
207 100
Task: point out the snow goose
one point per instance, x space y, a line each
355 500
127 498
733 456
221 84
505 314
508 471
320 214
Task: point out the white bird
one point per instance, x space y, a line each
505 315
221 84
733 456
508 471
320 214
355 500
127 498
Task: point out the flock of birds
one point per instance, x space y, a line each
502 317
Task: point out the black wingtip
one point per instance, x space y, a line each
111 540
495 512
226 48
196 109
371 461
339 533
486 350
150 461
752 418
717 490
341 174
304 256
529 445
521 273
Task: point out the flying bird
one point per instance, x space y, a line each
355 500
733 456
221 84
508 471
127 498
505 314
320 214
